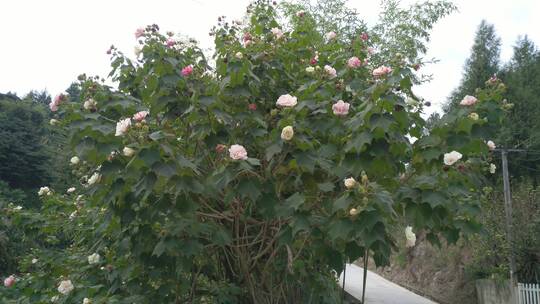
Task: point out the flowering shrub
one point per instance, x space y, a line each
253 181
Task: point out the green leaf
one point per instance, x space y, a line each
253 161
342 202
159 248
434 198
358 141
167 169
221 237
424 182
340 229
149 156
295 201
249 188
273 150
384 199
326 187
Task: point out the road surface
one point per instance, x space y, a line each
378 289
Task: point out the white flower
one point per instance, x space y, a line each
94 259
239 55
65 287
451 158
54 299
74 160
468 100
34 260
73 215
410 237
330 71
137 50
71 190
79 198
412 102
87 301
277 32
287 133
491 145
330 35
287 101
94 178
90 104
238 152
127 151
354 211
53 122
349 182
492 168
44 191
310 69
122 126
17 208
474 116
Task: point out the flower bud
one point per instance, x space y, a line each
349 182
287 133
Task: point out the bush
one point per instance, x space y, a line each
253 182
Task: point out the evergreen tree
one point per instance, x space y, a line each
38 97
23 155
522 128
480 66
74 92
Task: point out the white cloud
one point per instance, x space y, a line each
50 42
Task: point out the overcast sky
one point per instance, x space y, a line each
46 44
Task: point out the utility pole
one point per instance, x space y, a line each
508 212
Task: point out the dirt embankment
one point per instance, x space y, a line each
438 273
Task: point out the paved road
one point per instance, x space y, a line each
378 289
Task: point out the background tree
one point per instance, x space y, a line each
74 92
480 66
23 154
41 97
522 127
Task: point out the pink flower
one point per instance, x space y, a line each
139 32
364 36
59 98
187 70
246 37
252 106
331 35
277 32
140 116
238 152
170 42
53 105
341 108
330 71
287 101
9 281
354 62
468 100
381 71
370 50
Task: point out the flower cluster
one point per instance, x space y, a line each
58 99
